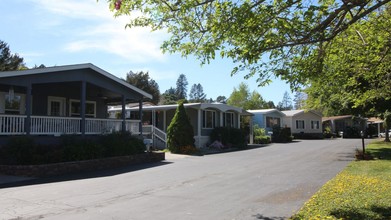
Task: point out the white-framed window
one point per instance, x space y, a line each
75 108
300 124
56 106
273 121
12 104
208 119
228 119
314 124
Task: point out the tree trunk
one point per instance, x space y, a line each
387 139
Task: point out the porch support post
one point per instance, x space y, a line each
140 112
199 125
123 115
164 121
28 109
238 120
83 107
221 119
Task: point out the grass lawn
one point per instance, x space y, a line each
361 191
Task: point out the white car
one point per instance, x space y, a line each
383 134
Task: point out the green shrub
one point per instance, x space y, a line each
180 132
262 139
281 135
24 151
229 136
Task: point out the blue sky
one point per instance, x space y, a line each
62 32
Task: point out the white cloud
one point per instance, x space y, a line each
96 29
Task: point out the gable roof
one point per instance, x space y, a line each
266 111
54 69
292 113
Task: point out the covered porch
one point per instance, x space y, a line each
61 100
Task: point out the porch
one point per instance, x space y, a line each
57 126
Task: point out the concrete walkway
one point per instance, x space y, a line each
270 182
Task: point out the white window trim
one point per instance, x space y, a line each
22 107
303 124
62 100
204 119
231 115
317 123
87 102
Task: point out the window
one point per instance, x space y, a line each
75 108
314 124
228 119
56 106
272 121
12 104
208 119
299 124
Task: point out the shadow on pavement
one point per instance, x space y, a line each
84 175
259 216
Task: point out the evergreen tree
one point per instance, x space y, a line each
286 103
221 99
299 100
169 97
181 87
180 134
197 93
8 61
142 81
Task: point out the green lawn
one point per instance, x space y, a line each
361 191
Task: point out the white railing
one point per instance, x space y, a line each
155 133
12 124
49 125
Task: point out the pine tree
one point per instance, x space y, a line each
180 134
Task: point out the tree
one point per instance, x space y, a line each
221 99
8 61
245 31
180 134
197 93
142 81
387 124
355 72
270 104
169 97
299 100
286 103
242 97
181 87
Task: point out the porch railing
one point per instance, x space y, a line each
49 125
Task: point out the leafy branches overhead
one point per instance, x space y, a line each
262 37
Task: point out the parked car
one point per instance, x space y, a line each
383 134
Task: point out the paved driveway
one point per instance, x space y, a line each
264 183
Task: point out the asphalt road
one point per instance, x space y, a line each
270 182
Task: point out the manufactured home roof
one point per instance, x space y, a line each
53 70
219 106
292 113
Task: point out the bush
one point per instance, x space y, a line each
229 136
262 139
180 132
281 135
24 151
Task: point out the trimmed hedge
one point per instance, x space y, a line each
23 150
281 135
229 136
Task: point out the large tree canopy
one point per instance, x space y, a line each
142 81
355 74
262 37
